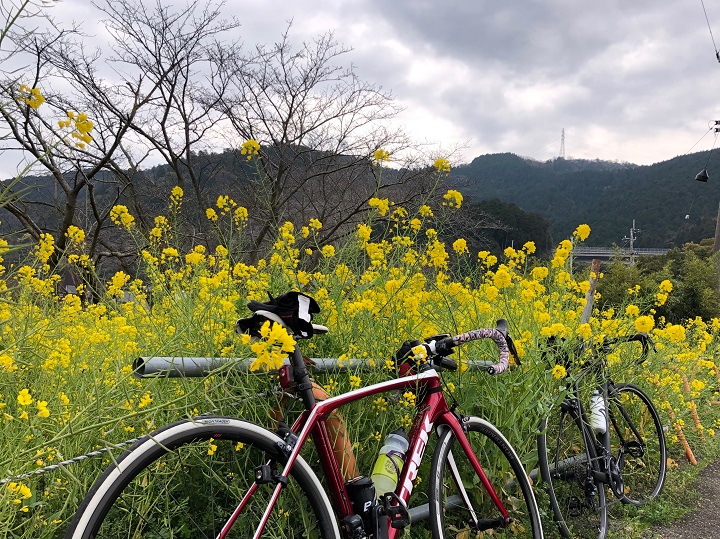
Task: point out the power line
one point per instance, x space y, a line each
717 53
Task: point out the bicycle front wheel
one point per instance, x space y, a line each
459 504
638 442
566 463
186 479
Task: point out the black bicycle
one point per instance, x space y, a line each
617 441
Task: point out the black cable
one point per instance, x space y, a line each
717 54
711 149
692 202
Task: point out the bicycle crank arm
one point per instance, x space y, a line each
490 524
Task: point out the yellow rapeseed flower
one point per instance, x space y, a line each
20 489
194 258
454 198
382 205
240 215
644 323
176 196
425 211
502 278
437 256
24 398
539 273
45 247
32 97
75 235
250 148
582 232
460 246
363 232
380 156
121 216
43 409
442 165
559 371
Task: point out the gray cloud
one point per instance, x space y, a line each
633 81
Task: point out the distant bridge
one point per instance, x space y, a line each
607 253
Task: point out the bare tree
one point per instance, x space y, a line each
168 51
167 89
319 125
145 107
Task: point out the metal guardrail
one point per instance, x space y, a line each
193 367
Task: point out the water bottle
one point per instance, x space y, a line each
597 412
389 463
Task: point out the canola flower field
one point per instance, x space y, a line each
67 386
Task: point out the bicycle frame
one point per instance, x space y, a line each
432 410
601 442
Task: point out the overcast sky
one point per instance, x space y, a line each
632 81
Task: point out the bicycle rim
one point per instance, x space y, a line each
577 500
450 514
188 478
637 439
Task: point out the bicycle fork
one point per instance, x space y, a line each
463 498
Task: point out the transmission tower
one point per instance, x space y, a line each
562 144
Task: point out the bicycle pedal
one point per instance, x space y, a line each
396 510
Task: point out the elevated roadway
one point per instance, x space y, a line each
607 253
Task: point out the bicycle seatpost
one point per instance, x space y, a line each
303 385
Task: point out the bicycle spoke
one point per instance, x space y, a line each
577 500
462 506
191 486
637 440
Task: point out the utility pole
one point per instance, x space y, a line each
716 243
631 239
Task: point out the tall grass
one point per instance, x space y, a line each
65 364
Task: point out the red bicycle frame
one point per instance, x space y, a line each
432 410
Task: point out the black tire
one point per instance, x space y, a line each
449 516
566 462
185 480
638 441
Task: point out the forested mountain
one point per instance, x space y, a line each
508 199
606 195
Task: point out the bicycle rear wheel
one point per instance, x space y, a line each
566 464
186 479
638 442
462 505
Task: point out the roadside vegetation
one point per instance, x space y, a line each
96 279
66 367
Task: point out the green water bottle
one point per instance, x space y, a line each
389 463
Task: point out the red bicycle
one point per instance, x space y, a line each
224 477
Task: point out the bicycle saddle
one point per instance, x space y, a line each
293 310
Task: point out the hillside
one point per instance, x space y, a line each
605 195
566 192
